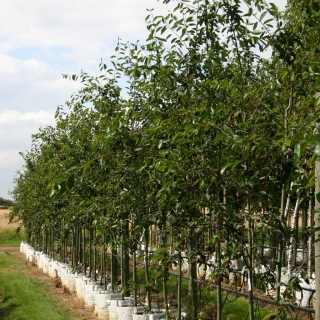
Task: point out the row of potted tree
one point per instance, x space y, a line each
210 147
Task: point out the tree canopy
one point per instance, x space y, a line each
213 134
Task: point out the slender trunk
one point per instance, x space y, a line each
52 242
179 285
84 252
317 233
28 227
292 239
250 264
90 251
134 275
44 240
192 291
280 244
218 281
79 244
103 259
62 241
310 241
114 268
94 255
125 256
73 250
286 212
146 252
165 274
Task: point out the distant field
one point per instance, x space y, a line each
4 221
9 237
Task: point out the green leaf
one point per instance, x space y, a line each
317 150
237 139
263 15
63 187
70 181
58 179
219 137
304 276
228 130
264 287
224 83
316 137
297 151
215 239
226 167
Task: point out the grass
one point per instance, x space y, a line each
23 297
11 238
233 309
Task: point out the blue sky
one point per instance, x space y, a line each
39 41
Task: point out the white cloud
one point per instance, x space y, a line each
32 85
10 162
40 117
89 29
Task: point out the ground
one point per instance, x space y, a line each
78 309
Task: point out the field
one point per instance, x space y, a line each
4 221
9 235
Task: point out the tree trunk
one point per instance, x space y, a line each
192 291
280 244
317 233
250 264
125 256
146 252
291 256
134 275
90 253
84 252
218 282
179 285
310 240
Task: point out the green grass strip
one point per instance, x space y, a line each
25 297
11 238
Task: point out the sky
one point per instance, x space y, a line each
42 39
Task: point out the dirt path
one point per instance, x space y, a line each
9 249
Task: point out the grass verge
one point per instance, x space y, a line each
11 238
23 297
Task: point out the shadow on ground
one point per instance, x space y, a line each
7 305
